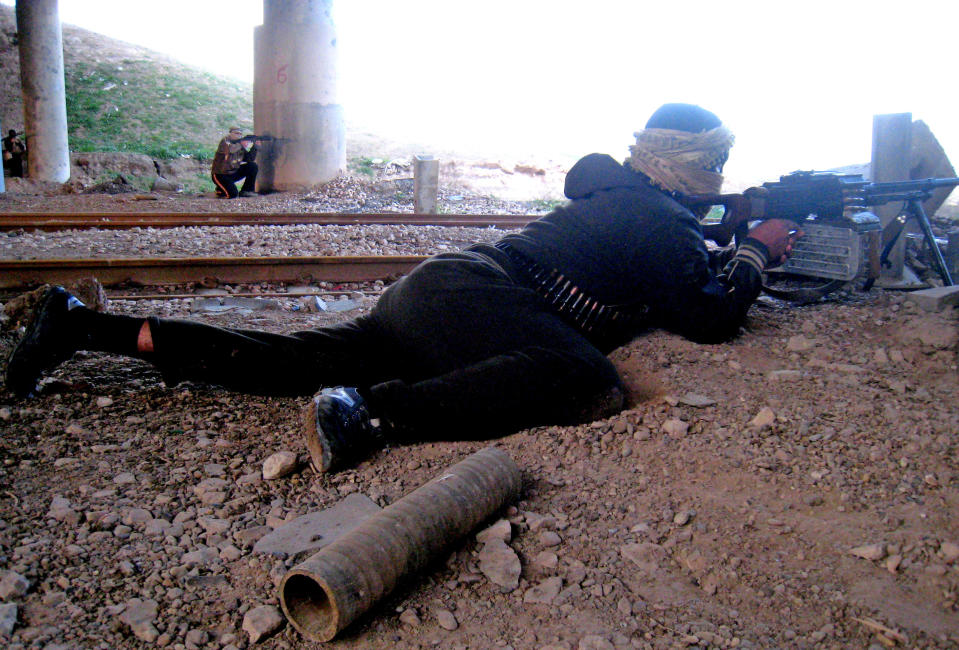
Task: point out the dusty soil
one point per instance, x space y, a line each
796 487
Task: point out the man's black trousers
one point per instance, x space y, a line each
226 183
456 349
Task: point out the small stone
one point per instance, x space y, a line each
545 591
646 556
949 551
60 509
157 527
8 619
139 616
197 637
500 564
696 400
892 563
764 418
202 556
279 465
870 552
683 517
595 642
214 469
446 619
799 343
410 617
538 522
137 516
550 538
104 402
13 585
675 428
210 485
546 560
260 622
214 526
124 478
230 553
501 530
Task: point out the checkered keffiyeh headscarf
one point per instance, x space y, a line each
679 161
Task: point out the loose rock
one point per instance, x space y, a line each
545 591
500 564
261 622
279 465
139 615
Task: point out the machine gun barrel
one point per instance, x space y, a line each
924 185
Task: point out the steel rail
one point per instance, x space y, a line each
179 270
52 221
319 293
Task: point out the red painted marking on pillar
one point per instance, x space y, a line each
281 74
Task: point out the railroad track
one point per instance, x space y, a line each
124 220
213 270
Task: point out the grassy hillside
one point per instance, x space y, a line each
122 97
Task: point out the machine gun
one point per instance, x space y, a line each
258 138
832 210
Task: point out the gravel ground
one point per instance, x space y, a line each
796 487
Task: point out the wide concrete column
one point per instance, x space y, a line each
295 95
44 96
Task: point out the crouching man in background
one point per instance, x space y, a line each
234 161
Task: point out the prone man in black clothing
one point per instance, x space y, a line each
234 161
495 338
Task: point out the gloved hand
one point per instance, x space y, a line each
779 236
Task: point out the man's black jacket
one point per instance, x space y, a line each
626 243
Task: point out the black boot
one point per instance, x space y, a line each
50 340
338 430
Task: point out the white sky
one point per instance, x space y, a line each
798 82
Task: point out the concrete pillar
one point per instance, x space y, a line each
44 96
891 143
426 181
295 95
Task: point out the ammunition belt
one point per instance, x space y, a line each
590 317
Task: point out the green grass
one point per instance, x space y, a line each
163 111
362 165
547 205
199 184
140 182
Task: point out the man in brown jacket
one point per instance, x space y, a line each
234 160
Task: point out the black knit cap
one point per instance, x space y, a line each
683 117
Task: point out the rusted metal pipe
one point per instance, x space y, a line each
331 589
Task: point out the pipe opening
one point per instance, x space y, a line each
309 607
